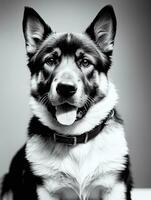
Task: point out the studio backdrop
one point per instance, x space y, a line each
131 71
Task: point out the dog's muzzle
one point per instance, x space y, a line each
66 113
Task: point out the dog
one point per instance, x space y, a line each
76 147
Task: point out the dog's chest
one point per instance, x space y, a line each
80 170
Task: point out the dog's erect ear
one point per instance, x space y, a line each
35 30
103 29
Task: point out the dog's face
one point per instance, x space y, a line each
69 71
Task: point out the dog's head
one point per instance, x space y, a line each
69 71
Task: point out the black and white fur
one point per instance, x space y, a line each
96 170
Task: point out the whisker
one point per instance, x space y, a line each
44 98
91 99
46 102
40 99
88 103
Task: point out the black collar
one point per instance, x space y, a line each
36 127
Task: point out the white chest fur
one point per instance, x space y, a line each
83 168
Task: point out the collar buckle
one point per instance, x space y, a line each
74 143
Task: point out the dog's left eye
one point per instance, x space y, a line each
50 61
85 63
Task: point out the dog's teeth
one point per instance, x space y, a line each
66 115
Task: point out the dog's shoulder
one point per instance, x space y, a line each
19 182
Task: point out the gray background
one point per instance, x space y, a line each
131 71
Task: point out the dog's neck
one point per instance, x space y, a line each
37 128
94 116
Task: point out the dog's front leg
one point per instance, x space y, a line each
118 192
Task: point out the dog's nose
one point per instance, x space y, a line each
66 89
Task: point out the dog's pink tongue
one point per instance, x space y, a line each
66 114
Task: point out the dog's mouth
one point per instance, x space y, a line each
66 114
